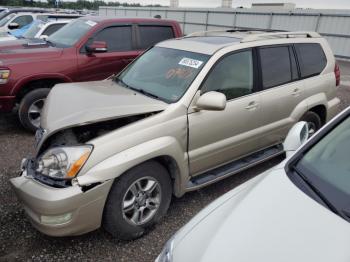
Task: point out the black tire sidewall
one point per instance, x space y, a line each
113 220
313 118
26 102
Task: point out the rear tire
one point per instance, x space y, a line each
29 111
313 121
131 208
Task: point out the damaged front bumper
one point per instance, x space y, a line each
60 211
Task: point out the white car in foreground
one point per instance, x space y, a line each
296 211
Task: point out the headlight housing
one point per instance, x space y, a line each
167 253
4 76
63 162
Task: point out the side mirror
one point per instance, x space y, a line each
213 101
296 137
96 47
43 37
12 26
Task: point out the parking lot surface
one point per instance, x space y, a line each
20 241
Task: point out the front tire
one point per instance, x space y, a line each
313 121
137 200
30 108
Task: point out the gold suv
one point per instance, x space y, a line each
185 114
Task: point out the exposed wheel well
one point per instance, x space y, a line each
41 83
170 164
321 111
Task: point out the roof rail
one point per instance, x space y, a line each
233 30
266 36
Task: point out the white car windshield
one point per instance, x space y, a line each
71 33
326 167
33 29
6 19
163 72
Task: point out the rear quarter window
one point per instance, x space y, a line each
152 34
312 59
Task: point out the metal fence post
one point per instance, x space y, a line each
207 20
317 26
184 22
269 26
235 20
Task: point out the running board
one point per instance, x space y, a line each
234 167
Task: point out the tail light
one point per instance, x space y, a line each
337 74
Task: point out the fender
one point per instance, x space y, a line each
118 164
316 100
25 80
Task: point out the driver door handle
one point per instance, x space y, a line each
252 105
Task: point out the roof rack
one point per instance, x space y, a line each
255 34
233 30
266 36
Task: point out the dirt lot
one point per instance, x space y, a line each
19 241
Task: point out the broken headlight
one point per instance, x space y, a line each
63 162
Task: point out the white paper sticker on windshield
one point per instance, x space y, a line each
190 62
90 23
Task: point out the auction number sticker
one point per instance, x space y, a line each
90 23
190 62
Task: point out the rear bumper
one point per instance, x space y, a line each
7 103
61 211
333 108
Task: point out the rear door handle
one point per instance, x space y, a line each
252 105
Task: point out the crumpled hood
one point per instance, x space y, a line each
271 220
88 102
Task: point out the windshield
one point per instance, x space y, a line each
327 166
163 72
6 19
70 34
33 29
4 13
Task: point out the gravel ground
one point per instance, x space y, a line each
20 241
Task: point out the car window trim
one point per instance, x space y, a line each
232 53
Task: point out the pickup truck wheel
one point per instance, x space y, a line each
29 111
137 200
313 121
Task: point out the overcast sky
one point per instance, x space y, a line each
330 4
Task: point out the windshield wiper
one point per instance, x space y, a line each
332 207
50 43
142 91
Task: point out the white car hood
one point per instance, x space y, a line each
88 102
271 220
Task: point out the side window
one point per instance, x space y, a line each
23 20
275 66
44 18
232 76
118 38
312 59
52 29
150 35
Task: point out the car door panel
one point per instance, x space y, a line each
217 137
120 52
282 92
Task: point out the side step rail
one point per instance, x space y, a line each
234 167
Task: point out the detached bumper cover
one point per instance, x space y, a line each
85 208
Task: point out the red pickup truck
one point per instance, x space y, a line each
87 49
